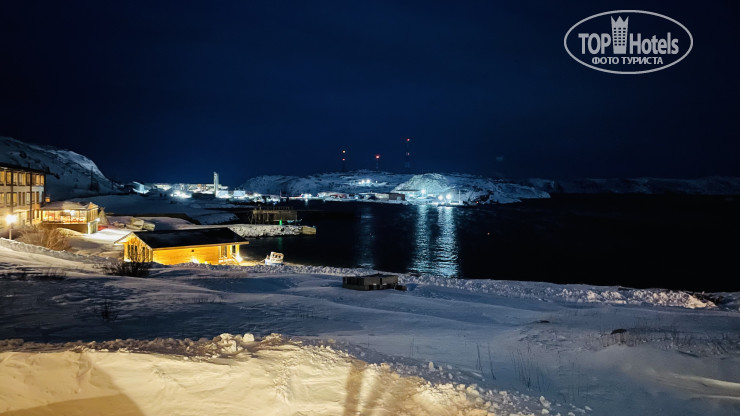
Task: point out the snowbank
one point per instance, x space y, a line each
62 255
232 375
568 293
506 288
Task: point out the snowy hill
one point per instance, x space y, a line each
713 185
348 182
468 187
69 174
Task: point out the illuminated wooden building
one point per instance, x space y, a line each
82 218
201 245
21 193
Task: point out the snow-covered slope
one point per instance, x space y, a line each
69 174
348 182
713 185
470 188
467 187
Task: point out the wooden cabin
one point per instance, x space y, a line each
200 245
83 218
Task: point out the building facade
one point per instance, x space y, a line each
22 190
83 218
201 245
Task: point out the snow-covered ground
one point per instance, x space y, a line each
244 230
138 205
500 346
231 376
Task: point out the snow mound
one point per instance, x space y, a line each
569 293
61 255
270 377
471 188
69 173
432 183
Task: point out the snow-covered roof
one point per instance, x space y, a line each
68 205
187 238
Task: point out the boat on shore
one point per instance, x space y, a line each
274 258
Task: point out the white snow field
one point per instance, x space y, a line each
444 347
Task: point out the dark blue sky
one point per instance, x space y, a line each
171 91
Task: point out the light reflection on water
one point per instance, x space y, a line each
366 254
394 238
435 242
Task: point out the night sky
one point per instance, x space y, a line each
172 91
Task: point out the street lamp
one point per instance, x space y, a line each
10 219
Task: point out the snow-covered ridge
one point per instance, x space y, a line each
349 182
712 185
464 186
70 173
470 188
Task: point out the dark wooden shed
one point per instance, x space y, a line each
372 282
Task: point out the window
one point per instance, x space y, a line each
2 199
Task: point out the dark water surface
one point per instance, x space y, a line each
670 241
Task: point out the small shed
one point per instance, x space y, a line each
372 282
201 245
75 216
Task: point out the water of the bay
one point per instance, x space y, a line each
670 241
